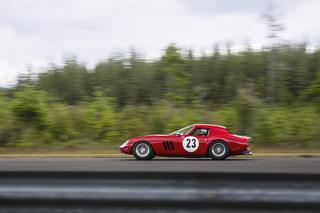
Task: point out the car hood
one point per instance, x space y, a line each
150 137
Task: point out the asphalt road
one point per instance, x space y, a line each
241 165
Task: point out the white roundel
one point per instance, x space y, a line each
190 143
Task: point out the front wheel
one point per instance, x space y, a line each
143 151
218 150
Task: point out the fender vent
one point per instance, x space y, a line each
168 145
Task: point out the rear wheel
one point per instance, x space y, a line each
143 151
218 150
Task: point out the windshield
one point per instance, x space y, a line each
182 131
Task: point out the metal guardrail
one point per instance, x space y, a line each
157 191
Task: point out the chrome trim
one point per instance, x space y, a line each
248 153
124 144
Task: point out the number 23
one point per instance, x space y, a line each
193 141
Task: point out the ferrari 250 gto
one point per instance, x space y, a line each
198 140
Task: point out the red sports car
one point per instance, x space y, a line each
198 140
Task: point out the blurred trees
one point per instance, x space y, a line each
70 84
29 106
180 78
128 96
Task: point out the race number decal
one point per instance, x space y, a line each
190 143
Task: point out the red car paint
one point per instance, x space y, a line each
171 144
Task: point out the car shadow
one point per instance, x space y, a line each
191 159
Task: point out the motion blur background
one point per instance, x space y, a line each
88 75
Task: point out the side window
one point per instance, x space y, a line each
201 132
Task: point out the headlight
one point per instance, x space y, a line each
124 144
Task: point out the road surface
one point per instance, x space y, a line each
243 165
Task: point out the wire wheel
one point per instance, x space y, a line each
143 151
218 150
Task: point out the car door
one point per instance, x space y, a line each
193 144
203 140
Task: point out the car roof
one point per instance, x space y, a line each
209 126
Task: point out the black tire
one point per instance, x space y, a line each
218 150
143 151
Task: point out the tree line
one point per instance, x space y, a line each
127 96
